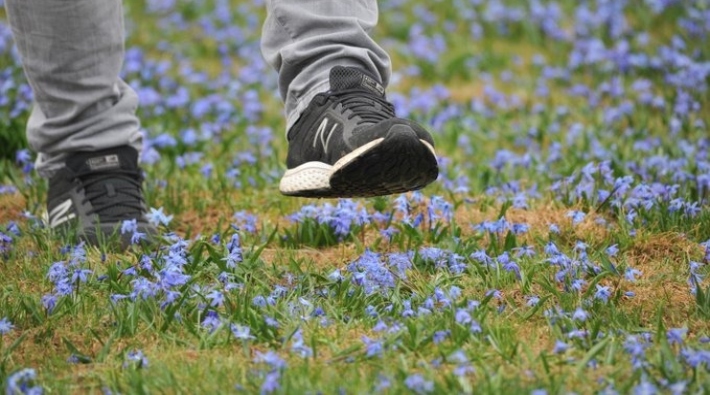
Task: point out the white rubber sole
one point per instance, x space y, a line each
315 176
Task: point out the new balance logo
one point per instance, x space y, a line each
323 135
60 214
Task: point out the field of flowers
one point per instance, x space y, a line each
564 247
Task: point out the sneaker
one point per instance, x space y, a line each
95 192
349 143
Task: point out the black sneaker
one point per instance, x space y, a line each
96 192
349 143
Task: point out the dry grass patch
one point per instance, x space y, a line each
11 207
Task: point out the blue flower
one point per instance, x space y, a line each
440 336
129 226
211 321
216 298
645 388
419 384
373 348
270 358
675 335
577 216
49 302
678 388
5 326
21 382
137 359
603 293
299 347
482 257
157 217
580 315
636 347
462 316
631 273
271 382
560 347
533 300
80 275
612 250
245 221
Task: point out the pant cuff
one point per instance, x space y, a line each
303 102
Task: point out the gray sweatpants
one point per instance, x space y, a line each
72 52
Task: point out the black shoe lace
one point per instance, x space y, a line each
370 108
115 195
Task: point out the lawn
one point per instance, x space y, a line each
563 249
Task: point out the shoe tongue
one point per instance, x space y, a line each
105 160
343 78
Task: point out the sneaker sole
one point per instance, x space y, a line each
397 163
102 234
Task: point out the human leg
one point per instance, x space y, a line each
72 53
83 124
304 39
344 137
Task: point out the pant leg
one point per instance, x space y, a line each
304 39
72 53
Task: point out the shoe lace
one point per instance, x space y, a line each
114 195
370 108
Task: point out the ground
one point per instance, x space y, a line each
562 249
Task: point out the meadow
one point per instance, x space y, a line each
563 249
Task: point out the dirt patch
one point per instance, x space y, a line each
11 207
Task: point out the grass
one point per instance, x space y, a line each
532 264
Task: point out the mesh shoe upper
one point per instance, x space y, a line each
102 187
352 113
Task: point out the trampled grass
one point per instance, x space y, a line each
563 248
